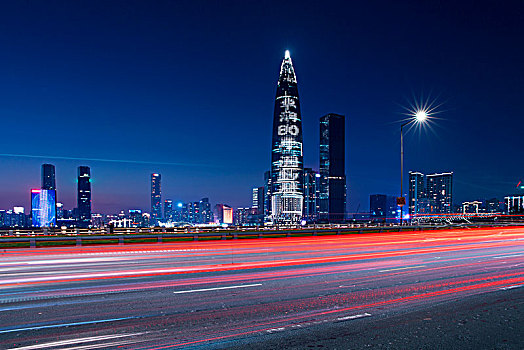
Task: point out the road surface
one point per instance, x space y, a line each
349 291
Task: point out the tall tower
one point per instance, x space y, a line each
84 196
156 197
287 186
416 193
439 189
332 168
48 177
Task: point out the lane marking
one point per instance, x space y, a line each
512 287
76 341
352 317
63 325
217 288
507 256
403 268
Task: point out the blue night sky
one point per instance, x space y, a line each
186 88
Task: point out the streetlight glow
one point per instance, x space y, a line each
421 115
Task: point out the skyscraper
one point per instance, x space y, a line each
257 206
206 213
156 197
168 210
439 188
84 196
416 193
267 195
48 177
311 178
287 192
332 167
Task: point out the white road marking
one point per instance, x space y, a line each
352 317
62 325
512 287
507 256
403 268
217 288
75 341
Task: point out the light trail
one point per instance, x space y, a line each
264 286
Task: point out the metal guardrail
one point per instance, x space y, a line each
97 238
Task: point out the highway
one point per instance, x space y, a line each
246 292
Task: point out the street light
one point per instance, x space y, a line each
419 116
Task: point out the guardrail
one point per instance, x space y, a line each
33 241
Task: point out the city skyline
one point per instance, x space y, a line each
339 73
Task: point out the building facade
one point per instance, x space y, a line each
311 184
84 196
48 177
156 197
439 188
332 201
416 193
287 188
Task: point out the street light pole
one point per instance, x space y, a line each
419 116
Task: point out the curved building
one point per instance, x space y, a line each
287 187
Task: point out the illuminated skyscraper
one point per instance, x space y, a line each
416 193
287 187
48 177
168 210
156 197
439 188
311 182
332 168
84 196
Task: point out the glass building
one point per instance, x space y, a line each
156 197
43 208
287 188
332 201
168 210
311 182
439 188
84 196
48 177
416 193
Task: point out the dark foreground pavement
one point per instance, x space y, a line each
488 321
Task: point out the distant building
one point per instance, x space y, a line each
514 204
332 201
416 193
287 197
383 208
136 218
311 190
240 216
48 177
471 207
193 212
223 214
493 205
439 187
156 197
43 208
168 210
84 196
206 214
267 196
257 204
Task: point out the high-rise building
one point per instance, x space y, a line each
84 196
156 197
416 193
332 199
267 195
48 177
168 210
311 181
257 206
514 204
43 208
439 188
240 216
223 214
206 214
287 188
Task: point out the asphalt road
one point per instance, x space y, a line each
427 289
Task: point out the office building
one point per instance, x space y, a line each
332 201
514 204
48 177
311 182
84 196
257 204
168 210
241 216
206 214
156 197
439 188
287 186
267 196
416 193
43 208
223 214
